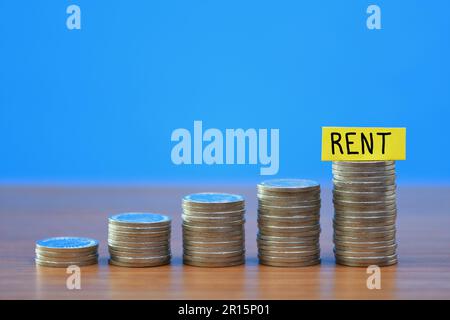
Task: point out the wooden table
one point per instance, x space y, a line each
31 213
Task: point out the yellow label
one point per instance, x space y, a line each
363 144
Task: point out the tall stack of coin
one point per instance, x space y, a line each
66 251
213 230
289 223
139 239
365 213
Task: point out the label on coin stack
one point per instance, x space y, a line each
66 251
139 239
289 223
365 211
213 230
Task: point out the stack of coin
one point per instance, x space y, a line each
213 230
139 240
66 251
364 213
289 223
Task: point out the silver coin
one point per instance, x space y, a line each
288 243
213 259
376 237
347 168
313 227
364 163
371 248
141 245
273 263
47 263
213 236
213 239
137 250
373 258
154 236
237 248
353 224
81 259
302 234
301 223
290 238
368 194
137 236
142 219
136 229
289 260
364 185
290 197
287 213
365 252
209 215
367 243
289 254
65 244
65 254
363 229
155 263
131 254
361 174
363 207
289 185
214 254
214 264
363 197
300 217
138 259
344 213
213 198
212 223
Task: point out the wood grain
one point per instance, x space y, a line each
31 213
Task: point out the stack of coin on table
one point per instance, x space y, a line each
66 251
364 200
139 239
213 230
289 223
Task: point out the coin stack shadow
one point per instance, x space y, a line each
289 223
139 240
213 230
365 212
61 252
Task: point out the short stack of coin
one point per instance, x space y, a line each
139 240
66 251
289 223
365 212
213 230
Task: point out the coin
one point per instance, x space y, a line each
139 239
213 259
213 264
213 254
61 252
139 219
72 260
274 263
53 264
66 244
134 264
288 222
289 259
213 249
364 197
289 185
213 229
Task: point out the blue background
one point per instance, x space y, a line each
99 104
